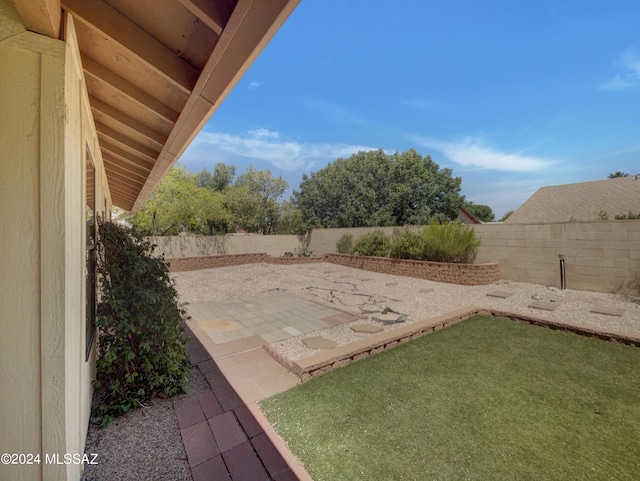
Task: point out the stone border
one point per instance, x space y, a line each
462 274
342 355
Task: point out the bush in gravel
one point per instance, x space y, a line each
375 243
453 242
345 244
406 244
141 343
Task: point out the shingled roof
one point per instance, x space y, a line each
580 202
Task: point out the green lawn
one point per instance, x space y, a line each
487 399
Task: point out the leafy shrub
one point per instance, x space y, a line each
345 244
375 243
454 242
629 216
141 343
303 251
406 244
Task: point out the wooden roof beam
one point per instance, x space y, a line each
125 165
126 143
105 19
123 119
117 169
125 156
140 97
124 179
119 191
213 14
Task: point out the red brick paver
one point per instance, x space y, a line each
221 436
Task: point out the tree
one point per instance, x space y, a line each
219 180
373 188
211 212
171 208
506 216
617 174
253 200
480 211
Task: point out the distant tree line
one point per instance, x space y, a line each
368 189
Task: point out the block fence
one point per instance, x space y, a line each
463 274
601 256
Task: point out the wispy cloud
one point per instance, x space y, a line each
255 85
474 152
628 65
267 145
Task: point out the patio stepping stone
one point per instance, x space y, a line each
500 294
391 284
319 342
425 290
366 328
607 311
544 305
292 330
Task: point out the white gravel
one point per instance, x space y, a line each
367 292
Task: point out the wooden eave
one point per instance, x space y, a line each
156 71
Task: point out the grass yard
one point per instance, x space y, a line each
486 399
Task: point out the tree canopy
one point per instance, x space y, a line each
617 174
211 203
373 188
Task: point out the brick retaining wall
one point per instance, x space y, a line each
463 274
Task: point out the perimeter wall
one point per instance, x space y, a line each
601 256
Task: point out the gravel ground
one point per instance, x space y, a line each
370 292
143 444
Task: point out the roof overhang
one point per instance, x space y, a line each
156 71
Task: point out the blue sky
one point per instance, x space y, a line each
510 95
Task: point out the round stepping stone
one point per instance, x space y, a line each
425 290
500 294
366 328
391 284
319 342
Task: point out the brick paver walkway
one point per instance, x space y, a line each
222 438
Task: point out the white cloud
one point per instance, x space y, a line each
255 85
474 152
628 64
267 145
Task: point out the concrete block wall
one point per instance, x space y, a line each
216 245
599 256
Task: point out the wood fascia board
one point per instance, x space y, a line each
126 121
192 119
214 14
127 143
40 16
138 96
105 19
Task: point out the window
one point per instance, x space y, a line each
90 248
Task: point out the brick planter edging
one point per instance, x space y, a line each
462 274
339 356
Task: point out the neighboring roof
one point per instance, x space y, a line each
155 71
466 217
580 202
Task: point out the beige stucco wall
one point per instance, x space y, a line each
198 245
44 130
599 256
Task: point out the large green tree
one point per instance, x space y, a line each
377 189
218 180
253 200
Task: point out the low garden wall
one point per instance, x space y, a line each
463 274
180 264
